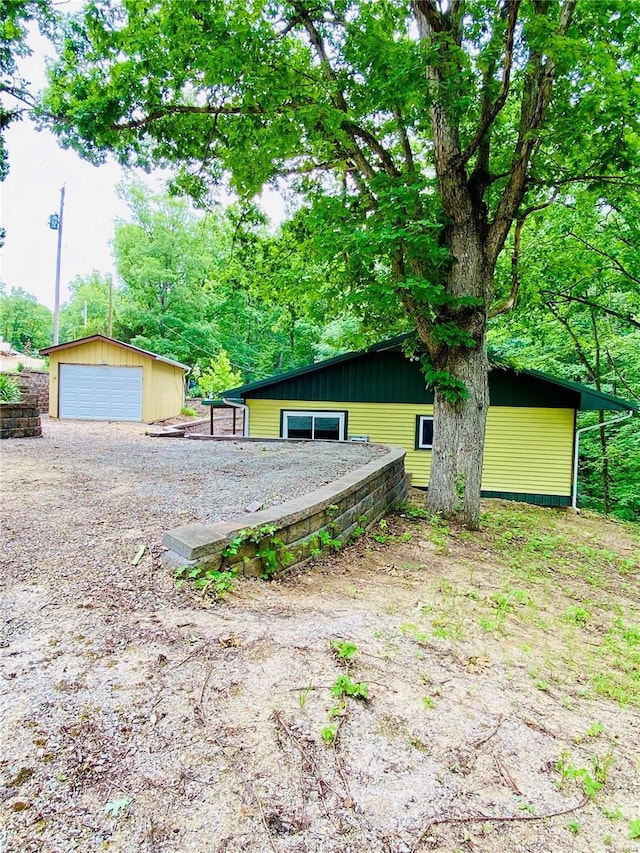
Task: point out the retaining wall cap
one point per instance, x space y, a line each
199 540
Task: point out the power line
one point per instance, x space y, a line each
208 353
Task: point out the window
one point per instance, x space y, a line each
322 426
424 432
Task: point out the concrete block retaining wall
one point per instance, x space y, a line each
21 419
304 527
36 382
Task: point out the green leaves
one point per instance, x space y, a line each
9 389
219 376
344 650
24 323
345 686
452 389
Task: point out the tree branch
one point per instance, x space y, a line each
337 95
184 109
566 297
373 143
404 140
578 179
535 100
614 367
509 303
579 348
616 263
490 112
497 818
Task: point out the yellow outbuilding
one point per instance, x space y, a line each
101 379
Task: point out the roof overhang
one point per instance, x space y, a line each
114 342
589 398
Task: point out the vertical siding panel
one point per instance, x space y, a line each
166 382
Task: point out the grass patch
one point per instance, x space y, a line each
553 584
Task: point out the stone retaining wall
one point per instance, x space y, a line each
36 382
21 419
292 533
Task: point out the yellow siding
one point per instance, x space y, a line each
530 449
162 384
526 449
163 397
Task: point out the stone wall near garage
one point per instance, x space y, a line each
36 382
291 534
21 419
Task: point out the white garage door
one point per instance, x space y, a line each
100 392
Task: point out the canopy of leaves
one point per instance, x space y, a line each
24 322
194 283
87 310
336 96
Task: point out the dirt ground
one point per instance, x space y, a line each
501 709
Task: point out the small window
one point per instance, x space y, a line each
424 432
321 426
299 426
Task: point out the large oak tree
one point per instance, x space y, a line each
421 134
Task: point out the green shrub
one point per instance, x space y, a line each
9 389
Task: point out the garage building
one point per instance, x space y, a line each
101 379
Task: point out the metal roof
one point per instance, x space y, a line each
584 397
105 339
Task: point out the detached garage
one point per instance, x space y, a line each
101 379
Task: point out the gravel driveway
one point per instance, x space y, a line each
109 471
76 505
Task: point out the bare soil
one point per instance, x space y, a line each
501 673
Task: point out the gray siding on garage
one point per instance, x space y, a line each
100 392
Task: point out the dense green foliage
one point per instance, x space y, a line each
24 323
195 283
578 277
9 389
87 310
219 376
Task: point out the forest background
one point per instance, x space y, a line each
202 283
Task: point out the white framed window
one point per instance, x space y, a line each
321 426
424 432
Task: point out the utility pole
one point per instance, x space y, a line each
110 315
55 222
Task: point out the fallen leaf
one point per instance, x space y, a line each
115 807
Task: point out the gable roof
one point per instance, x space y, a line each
301 380
114 342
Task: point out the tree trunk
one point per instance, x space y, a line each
458 441
459 426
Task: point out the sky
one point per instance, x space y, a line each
39 168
